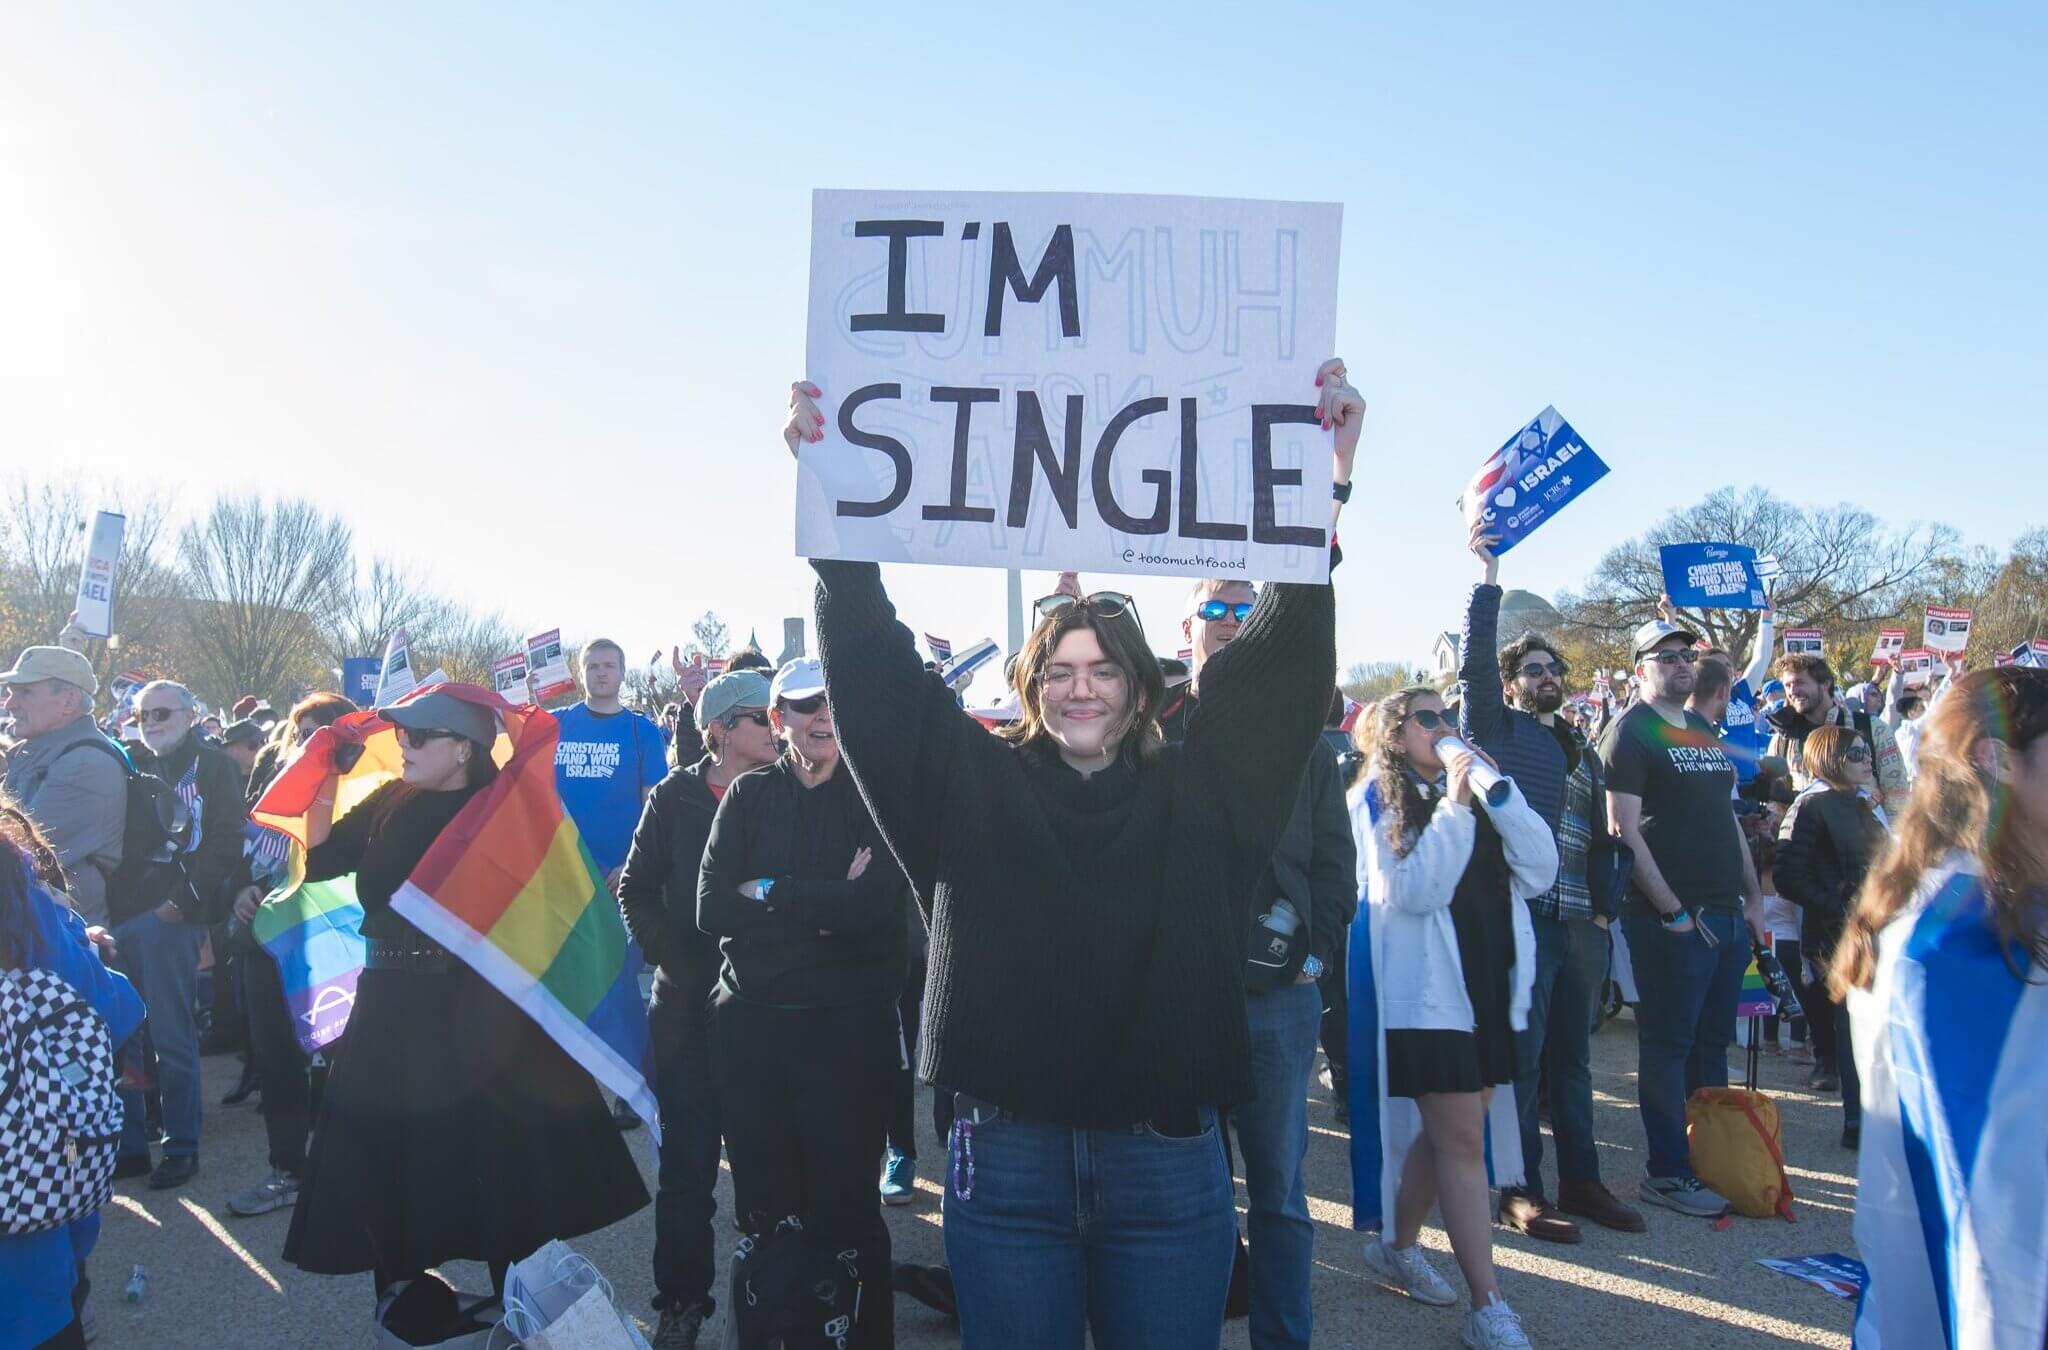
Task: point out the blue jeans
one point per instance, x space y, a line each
1685 1021
1125 1232
1571 964
1272 1134
162 959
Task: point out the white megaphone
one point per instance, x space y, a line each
1485 777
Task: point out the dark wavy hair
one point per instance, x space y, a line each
1403 808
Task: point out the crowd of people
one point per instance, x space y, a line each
1110 928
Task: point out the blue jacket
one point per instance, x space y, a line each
1526 750
37 1270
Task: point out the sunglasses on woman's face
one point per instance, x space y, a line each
1856 754
420 737
757 717
1429 719
1209 611
804 707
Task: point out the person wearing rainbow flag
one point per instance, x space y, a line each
456 1123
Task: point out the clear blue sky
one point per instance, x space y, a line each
519 288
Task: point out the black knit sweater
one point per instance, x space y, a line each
1087 934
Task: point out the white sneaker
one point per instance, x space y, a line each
1410 1272
1495 1327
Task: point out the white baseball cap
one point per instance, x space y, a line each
797 679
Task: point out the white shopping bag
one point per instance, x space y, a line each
591 1323
555 1299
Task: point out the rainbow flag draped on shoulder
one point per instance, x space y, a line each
508 887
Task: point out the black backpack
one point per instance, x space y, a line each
154 834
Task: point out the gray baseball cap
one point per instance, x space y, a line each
445 712
739 689
1656 630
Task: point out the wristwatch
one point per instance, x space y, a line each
1313 967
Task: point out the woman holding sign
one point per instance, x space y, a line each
1089 893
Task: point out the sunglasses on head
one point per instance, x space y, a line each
755 715
803 707
154 715
1102 604
1209 611
1429 719
419 737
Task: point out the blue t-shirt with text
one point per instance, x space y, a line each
601 763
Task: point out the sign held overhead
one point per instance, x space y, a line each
1070 382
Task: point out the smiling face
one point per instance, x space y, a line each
805 725
1807 695
1536 684
165 720
1211 635
1087 697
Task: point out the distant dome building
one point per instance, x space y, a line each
1520 612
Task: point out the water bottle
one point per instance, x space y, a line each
137 1286
1280 924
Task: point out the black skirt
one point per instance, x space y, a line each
453 1128
1482 914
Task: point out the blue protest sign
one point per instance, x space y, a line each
1712 576
359 680
1539 471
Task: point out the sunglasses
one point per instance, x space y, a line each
731 720
1532 670
1102 604
1683 656
1856 754
1209 611
803 707
419 737
154 715
1429 719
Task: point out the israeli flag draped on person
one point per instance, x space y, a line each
1952 1198
1384 1128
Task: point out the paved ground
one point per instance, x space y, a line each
219 1282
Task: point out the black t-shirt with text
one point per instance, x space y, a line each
1686 780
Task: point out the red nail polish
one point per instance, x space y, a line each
1319 381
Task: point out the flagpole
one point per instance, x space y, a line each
1016 606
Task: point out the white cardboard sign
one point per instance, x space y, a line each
1803 641
96 577
1070 382
1946 630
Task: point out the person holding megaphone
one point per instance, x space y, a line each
1449 852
